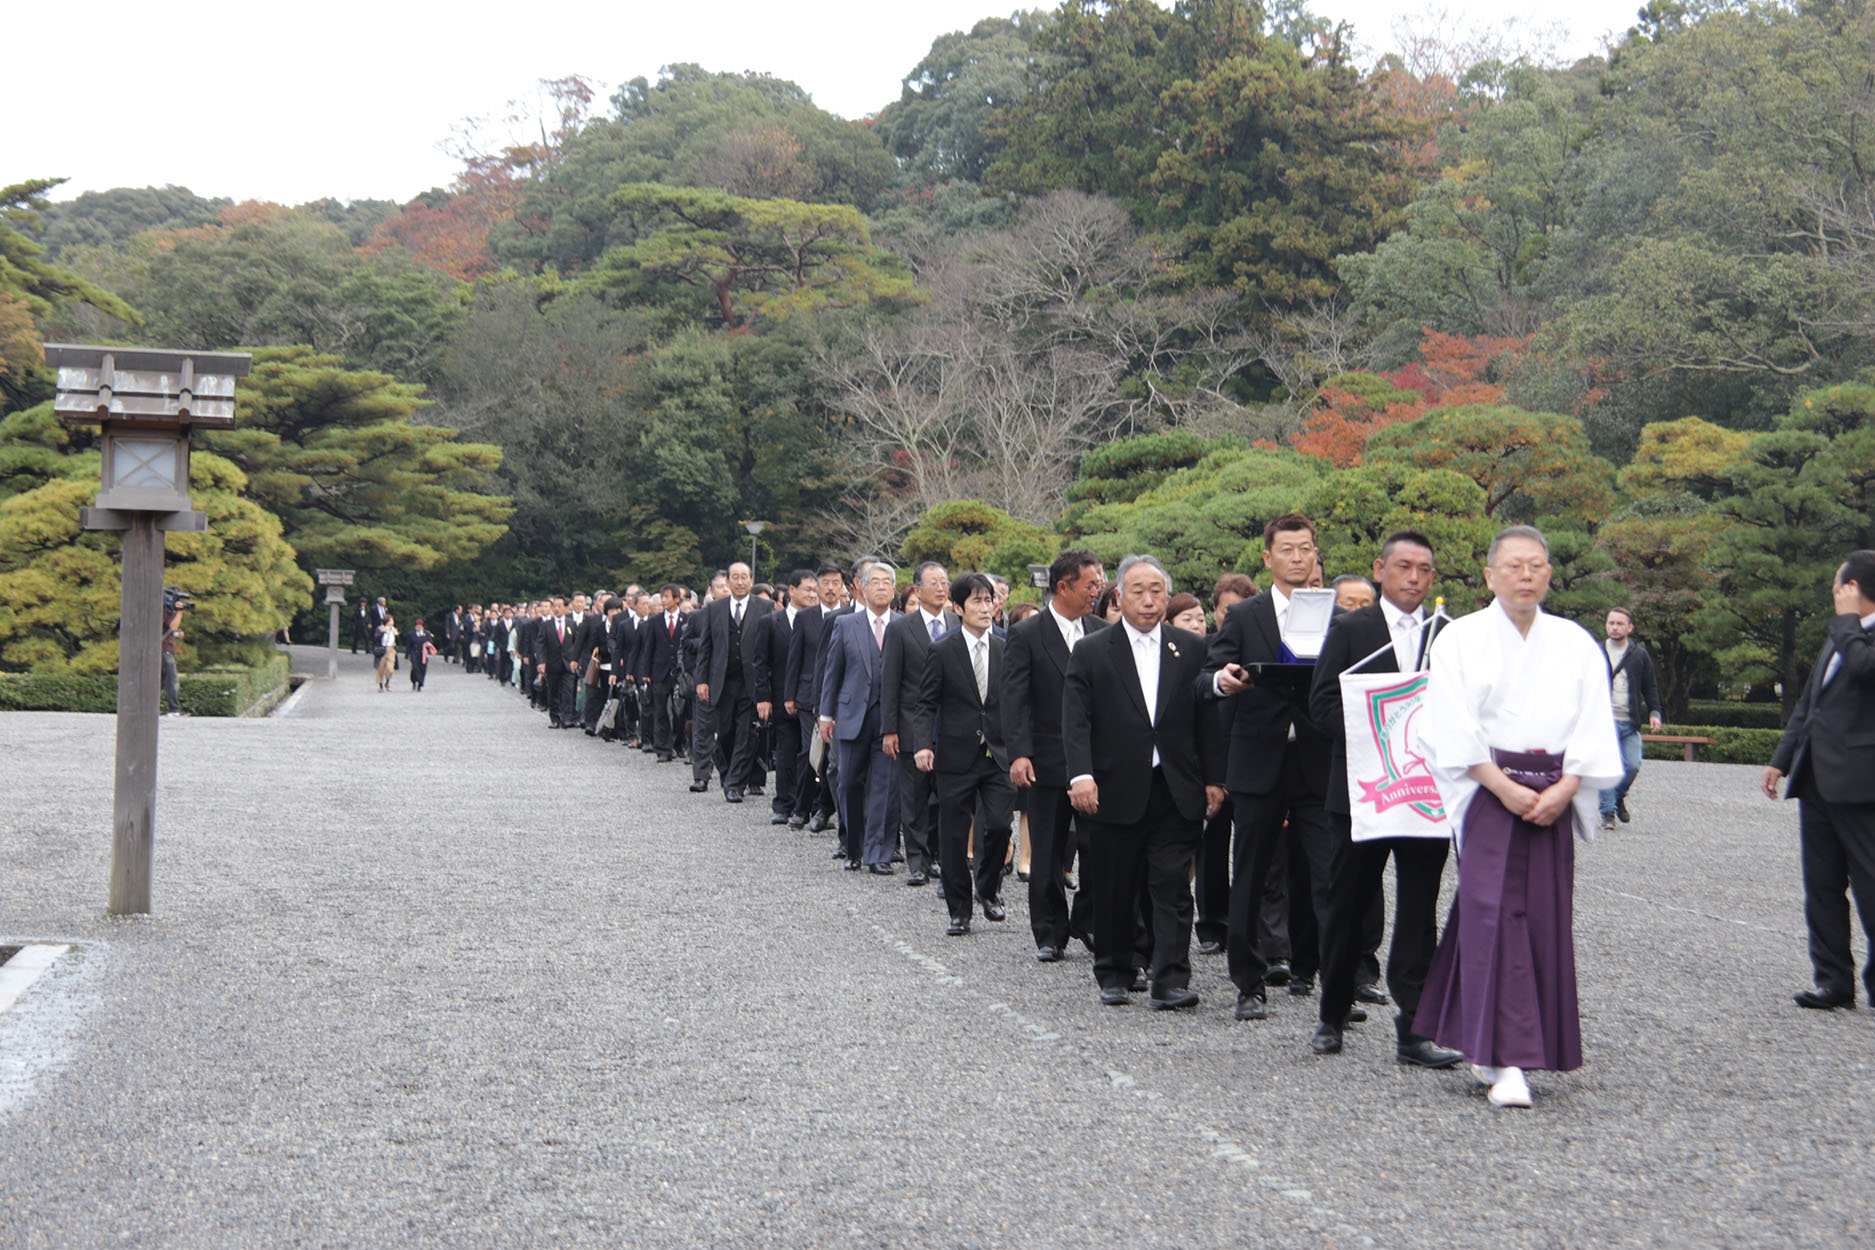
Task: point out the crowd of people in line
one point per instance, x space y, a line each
1188 765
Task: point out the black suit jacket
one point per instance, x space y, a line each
655 659
800 679
713 642
948 718
527 638
622 641
1829 745
1035 664
1352 637
1263 715
1106 733
774 638
907 644
554 651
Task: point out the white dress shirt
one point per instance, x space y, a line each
1405 631
1071 631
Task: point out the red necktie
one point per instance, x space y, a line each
560 628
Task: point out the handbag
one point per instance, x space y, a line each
475 650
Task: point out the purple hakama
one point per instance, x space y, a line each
1502 989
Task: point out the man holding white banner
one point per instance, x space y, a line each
1382 801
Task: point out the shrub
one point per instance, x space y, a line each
222 691
1730 744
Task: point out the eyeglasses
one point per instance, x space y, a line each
1520 567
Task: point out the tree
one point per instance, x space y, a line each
111 218
1206 520
338 456
750 259
936 126
968 534
692 128
31 287
1531 465
59 585
1356 509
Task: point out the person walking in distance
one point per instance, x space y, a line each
1634 691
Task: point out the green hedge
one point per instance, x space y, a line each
1732 712
212 692
1730 744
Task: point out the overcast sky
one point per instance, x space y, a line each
351 98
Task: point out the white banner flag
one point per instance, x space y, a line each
1391 793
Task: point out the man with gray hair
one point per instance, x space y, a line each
852 681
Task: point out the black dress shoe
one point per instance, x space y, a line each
1370 994
1302 987
667 759
1048 954
817 824
756 792
993 909
1175 999
916 878
1021 876
853 865
732 796
797 823
959 926
592 733
934 872
1820 999
1621 810
882 870
1251 1007
698 787
1210 946
1327 1040
1423 1052
1113 996
1139 981
779 819
1357 1015
1278 973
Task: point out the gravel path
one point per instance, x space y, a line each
423 973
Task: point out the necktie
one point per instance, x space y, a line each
561 629
937 628
737 612
878 633
980 661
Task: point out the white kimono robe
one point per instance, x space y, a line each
1491 687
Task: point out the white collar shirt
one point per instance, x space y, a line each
1401 626
1072 631
1145 649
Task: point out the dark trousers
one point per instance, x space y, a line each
788 762
986 797
1273 912
660 712
732 716
1157 850
563 691
1354 893
1051 919
1260 821
596 696
419 669
812 793
527 678
868 795
918 795
1838 841
1212 878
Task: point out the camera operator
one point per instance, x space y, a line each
174 602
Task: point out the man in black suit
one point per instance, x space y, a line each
725 675
526 646
588 637
955 735
775 704
1035 666
556 666
702 737
1396 628
654 663
1828 751
1144 772
908 642
1278 769
814 803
